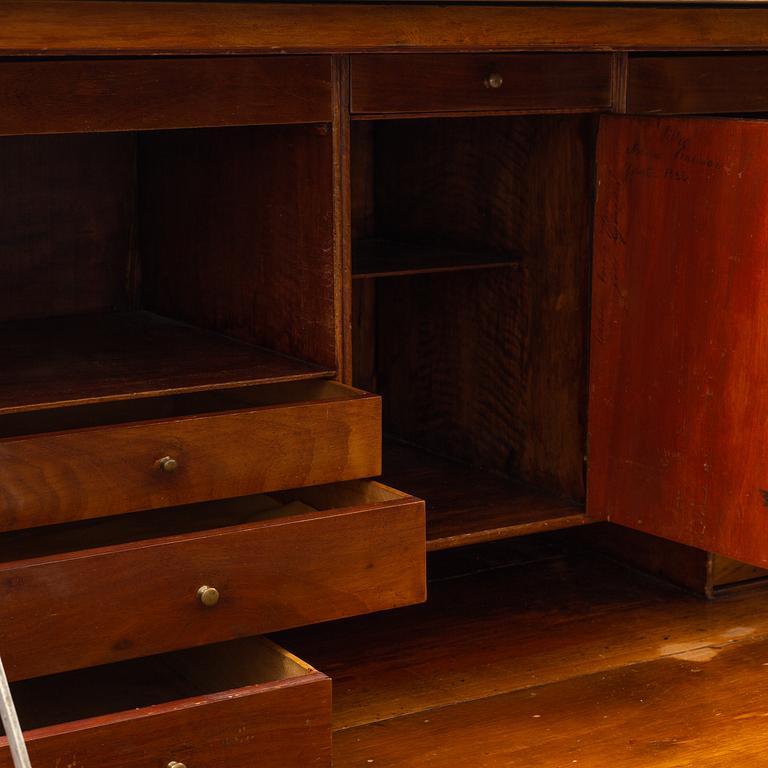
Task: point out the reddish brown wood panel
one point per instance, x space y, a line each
66 217
698 84
71 28
282 724
679 373
134 94
86 473
237 235
443 83
86 607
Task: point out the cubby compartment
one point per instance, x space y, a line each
137 264
470 264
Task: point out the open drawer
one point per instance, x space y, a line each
117 588
242 703
88 461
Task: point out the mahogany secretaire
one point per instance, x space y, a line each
511 260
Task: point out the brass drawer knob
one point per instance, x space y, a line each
168 464
494 81
209 596
175 764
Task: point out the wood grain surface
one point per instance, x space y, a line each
488 366
86 607
132 94
86 473
504 627
67 212
237 235
275 712
469 506
442 83
679 349
45 28
54 362
678 712
708 84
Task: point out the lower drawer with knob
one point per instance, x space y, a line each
247 702
432 83
105 590
86 461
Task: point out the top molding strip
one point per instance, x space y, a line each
37 28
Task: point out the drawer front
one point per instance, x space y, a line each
430 83
142 94
698 84
91 607
54 478
285 723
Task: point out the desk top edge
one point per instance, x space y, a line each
99 28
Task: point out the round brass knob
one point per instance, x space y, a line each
494 80
209 596
175 764
168 464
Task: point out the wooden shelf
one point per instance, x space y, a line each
126 355
386 258
468 506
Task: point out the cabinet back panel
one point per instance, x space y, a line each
236 234
66 221
486 366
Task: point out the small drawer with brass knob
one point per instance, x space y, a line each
429 84
245 702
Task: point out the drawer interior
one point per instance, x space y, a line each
471 260
174 406
139 527
133 685
141 264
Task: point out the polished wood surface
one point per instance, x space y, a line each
130 94
679 712
130 599
441 83
698 84
46 28
245 702
469 506
85 473
678 354
520 615
95 358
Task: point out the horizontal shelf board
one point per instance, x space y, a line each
87 359
469 506
385 258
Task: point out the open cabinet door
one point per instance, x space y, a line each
678 411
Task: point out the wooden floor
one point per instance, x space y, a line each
535 654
